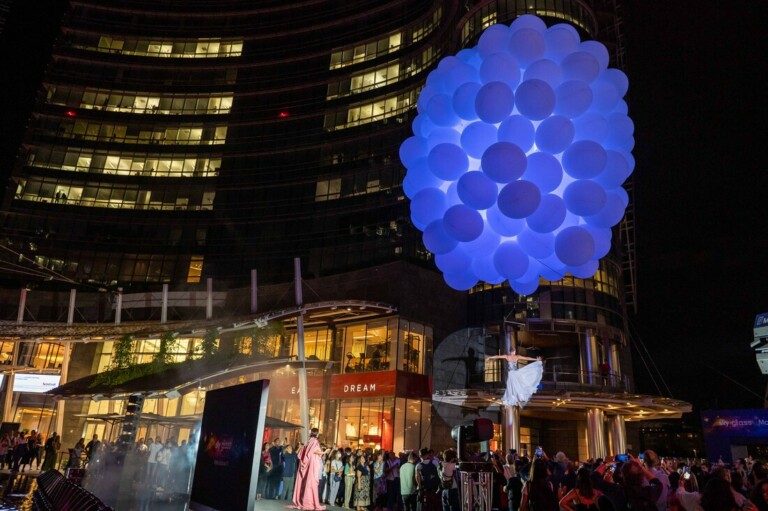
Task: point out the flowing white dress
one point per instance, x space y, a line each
522 383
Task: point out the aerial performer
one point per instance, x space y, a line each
522 382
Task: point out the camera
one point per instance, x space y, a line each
538 452
622 457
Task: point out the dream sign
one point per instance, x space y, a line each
520 148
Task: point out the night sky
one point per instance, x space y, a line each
696 73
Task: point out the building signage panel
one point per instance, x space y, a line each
35 382
288 387
357 385
725 429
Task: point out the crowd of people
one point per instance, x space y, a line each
160 465
20 451
368 480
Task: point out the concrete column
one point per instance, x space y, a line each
617 432
254 292
209 299
303 396
613 361
119 306
511 417
596 442
588 352
164 309
71 311
22 306
8 402
64 373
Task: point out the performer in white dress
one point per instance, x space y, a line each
522 383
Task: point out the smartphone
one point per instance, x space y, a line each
538 452
642 456
622 457
686 475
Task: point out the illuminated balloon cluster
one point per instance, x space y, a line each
519 152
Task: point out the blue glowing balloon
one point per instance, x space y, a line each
584 159
503 224
580 66
539 245
574 97
510 260
561 42
545 70
427 206
494 102
545 171
455 261
591 126
535 99
524 287
574 246
527 45
477 137
448 161
440 110
419 178
520 149
443 136
598 51
519 199
504 162
485 270
494 39
500 67
461 281
549 215
584 197
555 134
412 149
464 101
477 190
485 244
437 240
517 130
463 223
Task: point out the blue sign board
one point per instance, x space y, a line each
726 428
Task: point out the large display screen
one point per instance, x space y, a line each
35 382
228 450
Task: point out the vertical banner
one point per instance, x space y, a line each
232 430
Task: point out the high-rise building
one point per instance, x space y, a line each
177 141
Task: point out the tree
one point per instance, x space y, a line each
123 353
209 346
164 355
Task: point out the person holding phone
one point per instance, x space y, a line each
522 382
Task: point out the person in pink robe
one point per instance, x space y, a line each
305 492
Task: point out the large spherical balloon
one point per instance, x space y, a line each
504 162
463 223
574 246
448 161
535 99
477 190
555 134
477 137
520 149
517 130
494 102
519 199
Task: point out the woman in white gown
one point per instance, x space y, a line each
523 382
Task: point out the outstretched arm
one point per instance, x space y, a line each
520 357
496 357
